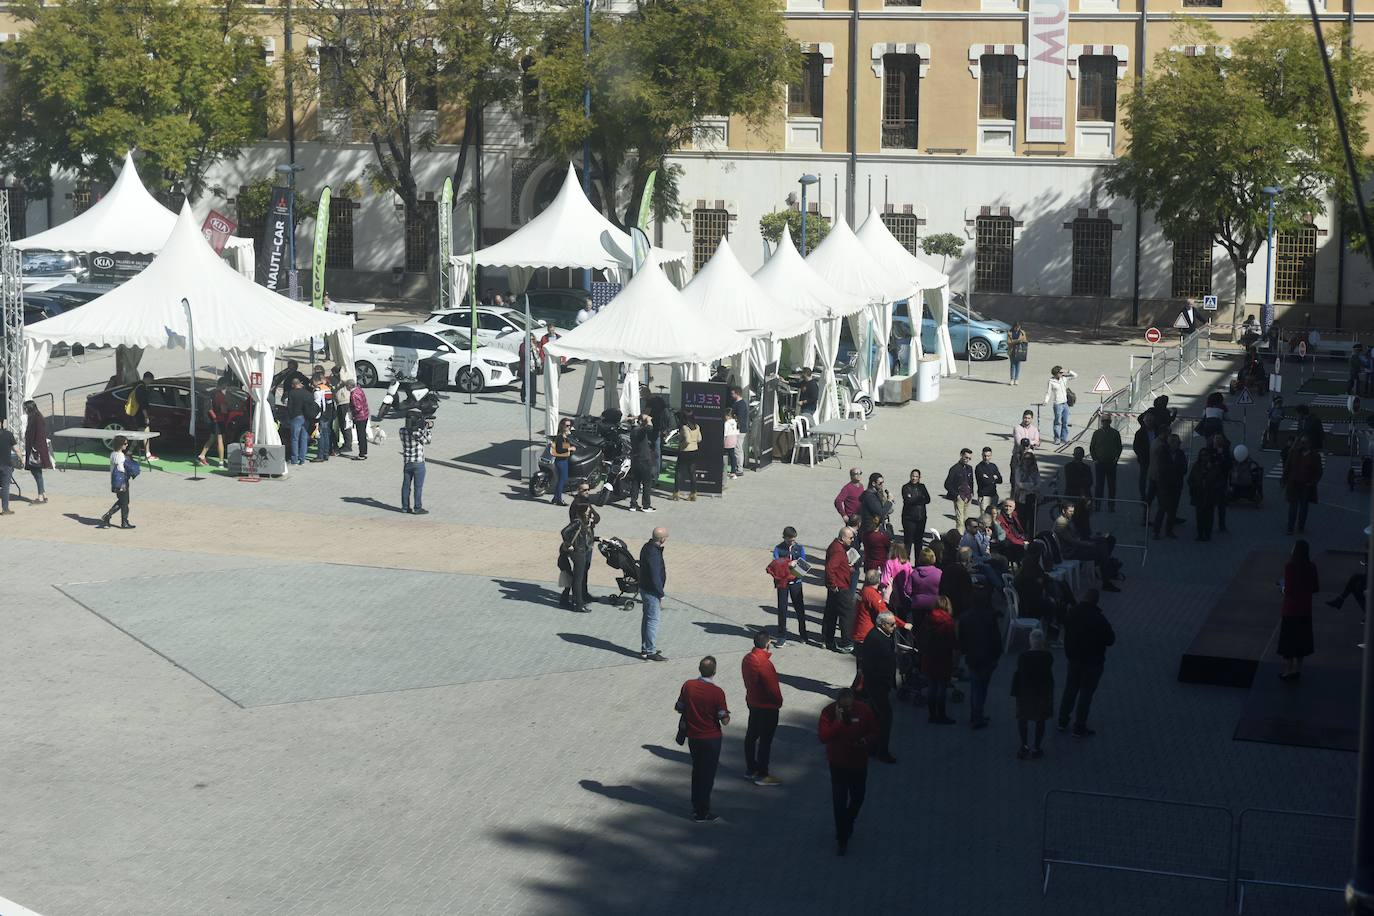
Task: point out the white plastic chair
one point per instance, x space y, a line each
802 439
1014 619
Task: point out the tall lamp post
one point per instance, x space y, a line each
805 181
587 113
1267 315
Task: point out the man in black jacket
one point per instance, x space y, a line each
878 665
1144 438
642 462
653 577
1087 634
960 487
980 639
1168 470
875 502
987 476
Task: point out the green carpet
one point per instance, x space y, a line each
99 460
1323 386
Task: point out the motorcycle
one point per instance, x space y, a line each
601 455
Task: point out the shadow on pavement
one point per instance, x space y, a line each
634 796
370 502
89 522
592 642
809 684
667 753
716 628
532 592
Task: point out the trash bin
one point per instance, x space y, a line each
928 378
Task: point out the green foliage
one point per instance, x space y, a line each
772 225
944 245
183 84
654 73
1208 133
255 197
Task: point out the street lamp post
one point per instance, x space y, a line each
1267 314
806 181
587 114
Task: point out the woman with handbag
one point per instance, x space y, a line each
688 446
1018 348
123 468
37 456
579 538
560 450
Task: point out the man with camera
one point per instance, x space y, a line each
643 460
415 435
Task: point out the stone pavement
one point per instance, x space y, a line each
414 729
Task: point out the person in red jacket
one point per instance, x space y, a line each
939 642
702 706
847 728
847 500
839 596
869 606
763 697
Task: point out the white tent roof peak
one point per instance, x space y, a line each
725 294
879 242
793 281
648 321
842 260
229 310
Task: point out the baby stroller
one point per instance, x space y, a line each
618 556
909 680
1246 481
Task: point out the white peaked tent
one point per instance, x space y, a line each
725 295
187 297
570 232
128 218
647 322
847 266
879 241
792 280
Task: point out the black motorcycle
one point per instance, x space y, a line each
601 454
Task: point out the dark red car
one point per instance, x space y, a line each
169 412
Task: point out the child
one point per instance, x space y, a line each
789 562
1271 434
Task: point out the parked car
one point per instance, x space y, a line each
54 264
169 412
384 354
496 324
558 305
979 339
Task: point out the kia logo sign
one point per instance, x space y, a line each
218 224
103 262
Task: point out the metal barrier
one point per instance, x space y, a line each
1282 852
81 418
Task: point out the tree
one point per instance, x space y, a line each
183 84
942 245
772 225
655 72
1207 133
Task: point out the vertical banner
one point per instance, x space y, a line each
218 229
647 202
321 249
272 264
1047 71
446 245
472 291
706 401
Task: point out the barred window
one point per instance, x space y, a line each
250 224
422 81
806 95
997 87
1097 88
338 252
82 197
1295 265
993 237
1193 266
901 94
1092 257
903 227
421 225
18 207
708 228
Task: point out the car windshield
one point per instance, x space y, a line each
454 337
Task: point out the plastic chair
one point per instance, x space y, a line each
803 440
1014 619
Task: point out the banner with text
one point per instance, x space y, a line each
114 267
321 249
218 229
272 266
1047 71
446 244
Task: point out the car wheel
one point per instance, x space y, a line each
469 380
366 373
979 350
115 428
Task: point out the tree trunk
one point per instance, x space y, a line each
469 126
1238 301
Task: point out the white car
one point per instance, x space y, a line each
495 324
384 354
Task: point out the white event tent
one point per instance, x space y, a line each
128 218
879 242
647 322
725 295
569 233
793 280
189 297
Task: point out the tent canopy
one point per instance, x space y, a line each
725 294
128 218
844 263
648 321
793 281
879 241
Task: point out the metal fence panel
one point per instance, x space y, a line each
1291 850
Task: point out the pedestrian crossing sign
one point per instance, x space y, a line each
1209 303
1245 397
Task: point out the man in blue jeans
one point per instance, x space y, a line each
415 435
653 576
299 401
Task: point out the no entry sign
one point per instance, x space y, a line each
1152 335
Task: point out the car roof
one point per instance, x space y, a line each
489 309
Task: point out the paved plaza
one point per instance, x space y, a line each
289 698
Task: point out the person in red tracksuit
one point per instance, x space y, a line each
839 596
847 729
763 696
703 709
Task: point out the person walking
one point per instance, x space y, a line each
1302 469
740 405
300 404
688 445
980 641
763 698
702 711
37 454
1018 349
1206 488
1105 448
789 562
987 476
142 396
579 538
1059 398
915 499
415 435
9 460
1143 446
358 407
642 465
1087 635
560 450
878 668
939 642
850 497
848 729
1300 583
653 578
325 410
1033 687
123 468
1168 471
960 487
839 592
217 412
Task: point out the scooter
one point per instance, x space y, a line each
851 389
601 457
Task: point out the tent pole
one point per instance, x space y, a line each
191 345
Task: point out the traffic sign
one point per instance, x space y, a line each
1153 336
1181 322
1302 349
1245 397
1102 387
1209 303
